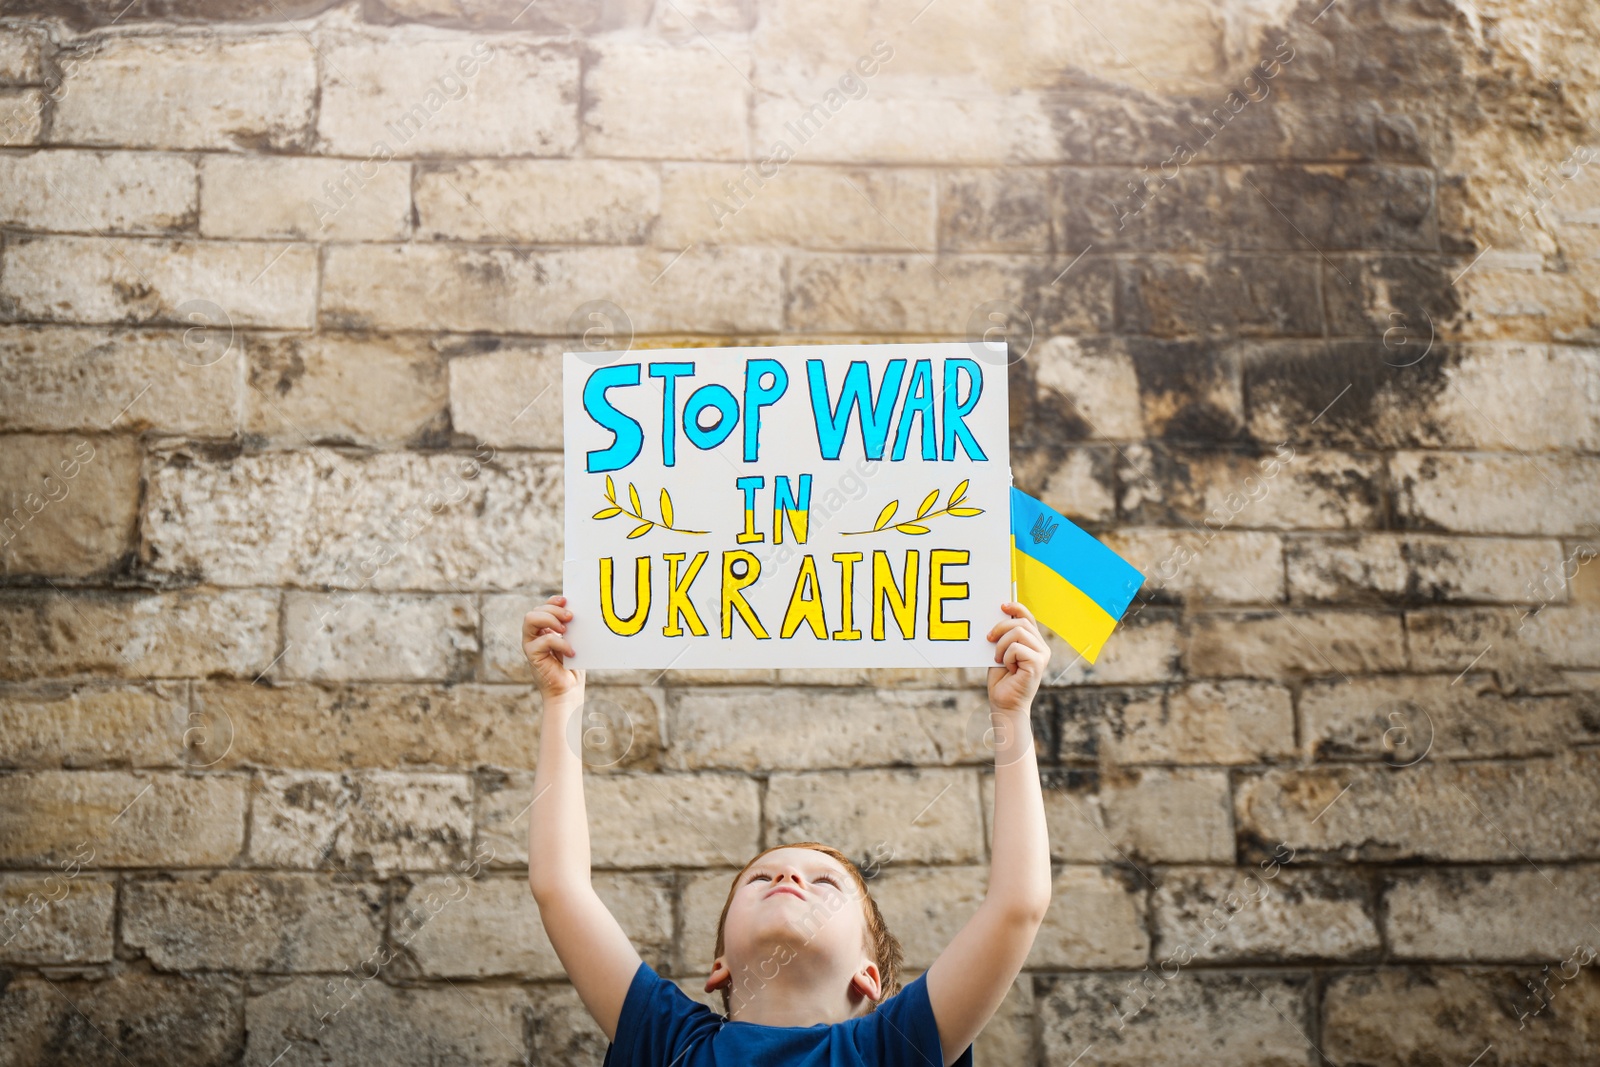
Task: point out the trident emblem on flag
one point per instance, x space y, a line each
1043 530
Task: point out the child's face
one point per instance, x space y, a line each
796 903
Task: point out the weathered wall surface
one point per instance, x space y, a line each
282 292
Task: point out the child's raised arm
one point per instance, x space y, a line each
974 972
591 945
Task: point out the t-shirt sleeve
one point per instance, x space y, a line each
657 1021
901 1032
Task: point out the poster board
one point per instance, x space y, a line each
800 506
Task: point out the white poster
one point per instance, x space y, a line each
832 505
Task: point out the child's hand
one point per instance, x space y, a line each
1021 649
544 643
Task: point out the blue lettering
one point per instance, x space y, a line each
626 435
758 396
872 415
919 402
669 373
956 410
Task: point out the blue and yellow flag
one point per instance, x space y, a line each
1070 581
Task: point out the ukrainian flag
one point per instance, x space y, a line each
1071 582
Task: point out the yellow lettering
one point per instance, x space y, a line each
635 622
805 603
678 602
732 599
884 590
847 612
940 590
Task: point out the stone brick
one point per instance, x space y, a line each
576 201
1496 494
1144 649
1226 567
303 390
1088 381
70 505
540 16
702 897
1344 207
655 820
253 921
55 378
63 917
1095 921
371 820
510 397
120 635
438 96
358 1020
51 725
313 199
996 210
1433 811
462 288
1264 912
1220 296
1008 1036
1099 207
170 282
1379 568
21 117
338 727
21 49
1190 390
1399 719
1146 814
798 729
1447 1015
1206 722
925 907
455 927
379 637
695 17
1280 644
900 123
155 1019
1254 1020
1078 482
825 208
199 102
1503 639
1517 915
128 820
646 100
101 192
923 816
1278 489
503 658
562 1030
975 678
917 293
1455 397
371 521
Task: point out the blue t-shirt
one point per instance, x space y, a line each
662 1026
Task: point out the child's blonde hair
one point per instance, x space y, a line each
885 946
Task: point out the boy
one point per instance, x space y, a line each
817 967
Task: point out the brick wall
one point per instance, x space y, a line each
283 289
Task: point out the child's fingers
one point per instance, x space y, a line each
1021 638
1005 626
534 622
1017 609
550 642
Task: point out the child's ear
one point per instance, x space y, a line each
867 982
720 975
